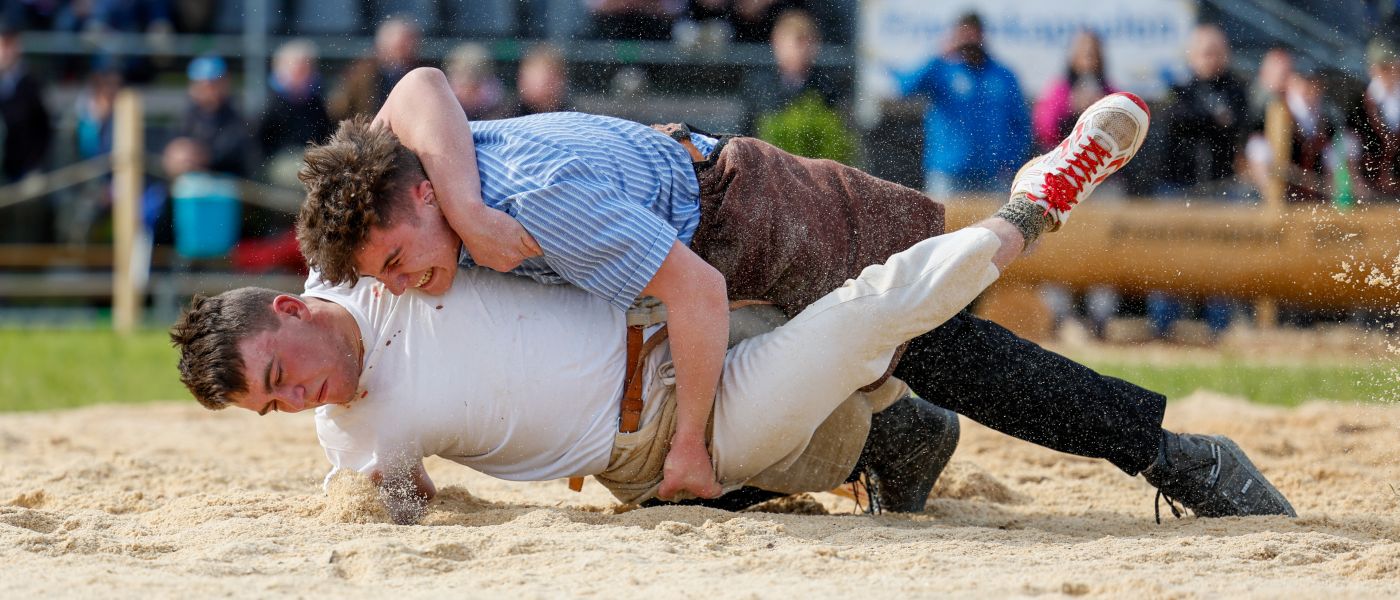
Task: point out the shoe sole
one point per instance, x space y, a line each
1253 471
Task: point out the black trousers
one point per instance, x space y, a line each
978 369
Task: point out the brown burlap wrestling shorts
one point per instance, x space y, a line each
787 229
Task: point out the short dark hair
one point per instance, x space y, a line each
354 181
970 19
208 335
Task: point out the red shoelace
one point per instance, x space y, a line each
1062 186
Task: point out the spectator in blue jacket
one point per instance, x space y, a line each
977 127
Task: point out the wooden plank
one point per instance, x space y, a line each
37 256
1235 250
99 285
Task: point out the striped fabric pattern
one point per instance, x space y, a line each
605 198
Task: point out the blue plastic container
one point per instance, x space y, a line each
207 215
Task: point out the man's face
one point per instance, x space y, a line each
542 84
1209 54
417 250
9 51
300 365
208 94
1387 73
795 52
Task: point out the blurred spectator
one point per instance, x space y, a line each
295 113
1275 69
472 76
27 129
634 19
754 20
794 106
1206 120
126 16
1063 100
96 18
796 43
745 20
1377 122
976 127
367 81
1317 148
35 14
211 119
543 82
25 134
94 114
180 157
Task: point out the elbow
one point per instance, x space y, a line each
419 81
425 75
711 292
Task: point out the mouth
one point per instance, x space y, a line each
321 394
422 281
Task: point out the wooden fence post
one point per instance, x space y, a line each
1278 130
128 152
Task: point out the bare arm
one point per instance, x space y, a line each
424 114
697 306
405 492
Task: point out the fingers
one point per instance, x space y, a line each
707 489
667 491
532 248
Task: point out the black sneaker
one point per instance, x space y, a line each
1210 475
909 445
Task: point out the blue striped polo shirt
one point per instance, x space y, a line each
604 198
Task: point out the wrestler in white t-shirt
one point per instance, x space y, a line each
509 377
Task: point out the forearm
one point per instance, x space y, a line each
699 330
425 115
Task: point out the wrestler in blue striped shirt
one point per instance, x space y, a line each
604 198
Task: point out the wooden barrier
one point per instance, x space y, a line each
1292 254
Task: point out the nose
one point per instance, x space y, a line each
293 399
397 284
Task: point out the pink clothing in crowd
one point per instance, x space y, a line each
1054 108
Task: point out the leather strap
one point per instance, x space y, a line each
681 133
630 414
695 155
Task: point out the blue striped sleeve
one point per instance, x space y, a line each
596 239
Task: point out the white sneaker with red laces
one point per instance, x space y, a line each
1105 138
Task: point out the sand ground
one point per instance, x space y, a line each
170 499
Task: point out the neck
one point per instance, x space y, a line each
340 321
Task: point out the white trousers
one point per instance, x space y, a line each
777 388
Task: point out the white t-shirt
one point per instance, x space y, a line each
515 379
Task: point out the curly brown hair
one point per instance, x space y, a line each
353 182
208 335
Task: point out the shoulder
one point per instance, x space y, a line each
1000 70
1056 89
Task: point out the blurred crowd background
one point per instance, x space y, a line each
234 89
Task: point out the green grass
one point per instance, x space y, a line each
1285 385
60 368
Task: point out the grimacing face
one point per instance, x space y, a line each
301 365
418 252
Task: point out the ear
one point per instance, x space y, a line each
290 306
423 193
